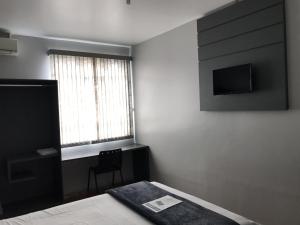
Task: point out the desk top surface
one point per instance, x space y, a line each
71 154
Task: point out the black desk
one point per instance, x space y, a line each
36 181
71 154
26 173
140 158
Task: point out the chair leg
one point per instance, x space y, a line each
89 178
113 179
96 182
121 175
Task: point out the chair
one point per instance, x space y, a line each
108 161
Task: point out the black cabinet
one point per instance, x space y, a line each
29 121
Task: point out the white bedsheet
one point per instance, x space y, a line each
105 210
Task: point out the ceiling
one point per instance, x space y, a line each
111 21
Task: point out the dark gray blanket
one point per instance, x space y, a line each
185 213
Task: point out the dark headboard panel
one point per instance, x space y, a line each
251 31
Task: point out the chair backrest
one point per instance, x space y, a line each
110 160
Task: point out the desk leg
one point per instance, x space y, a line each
140 160
1 211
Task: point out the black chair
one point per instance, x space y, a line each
108 161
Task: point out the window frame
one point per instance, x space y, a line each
94 57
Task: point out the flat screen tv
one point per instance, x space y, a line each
233 80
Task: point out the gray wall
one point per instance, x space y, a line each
247 162
32 61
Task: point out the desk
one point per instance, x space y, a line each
77 162
19 167
71 154
36 181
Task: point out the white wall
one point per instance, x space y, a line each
247 162
32 61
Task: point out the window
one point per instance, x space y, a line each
94 98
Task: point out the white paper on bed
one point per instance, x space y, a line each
162 203
105 210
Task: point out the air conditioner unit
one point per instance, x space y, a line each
8 46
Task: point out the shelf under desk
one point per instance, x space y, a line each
24 174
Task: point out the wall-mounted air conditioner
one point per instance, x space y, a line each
8 46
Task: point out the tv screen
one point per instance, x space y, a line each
233 80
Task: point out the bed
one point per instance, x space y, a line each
105 209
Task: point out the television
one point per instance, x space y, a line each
233 80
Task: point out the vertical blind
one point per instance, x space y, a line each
94 98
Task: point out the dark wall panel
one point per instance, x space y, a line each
234 12
260 38
248 32
269 93
260 20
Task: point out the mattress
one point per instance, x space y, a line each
106 210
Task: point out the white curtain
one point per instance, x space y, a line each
94 98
